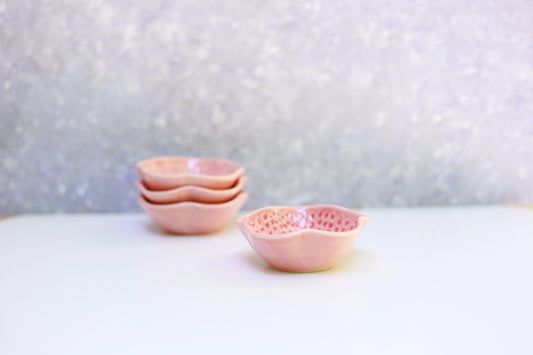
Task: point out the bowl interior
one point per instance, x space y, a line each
283 220
175 166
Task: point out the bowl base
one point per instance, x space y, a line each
301 269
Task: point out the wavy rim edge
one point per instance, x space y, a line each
362 220
239 169
241 182
241 195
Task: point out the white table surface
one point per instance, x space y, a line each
418 281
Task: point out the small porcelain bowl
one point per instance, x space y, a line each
165 173
191 193
302 239
193 217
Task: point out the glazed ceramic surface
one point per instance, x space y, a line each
302 239
165 173
193 217
191 193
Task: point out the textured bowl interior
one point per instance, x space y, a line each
284 220
176 166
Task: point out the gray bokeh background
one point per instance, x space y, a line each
357 103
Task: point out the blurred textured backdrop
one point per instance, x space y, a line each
358 103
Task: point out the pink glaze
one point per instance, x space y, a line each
193 217
191 193
165 173
302 239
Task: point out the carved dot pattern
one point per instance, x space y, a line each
290 220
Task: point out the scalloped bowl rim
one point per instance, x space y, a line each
241 181
362 220
239 169
155 206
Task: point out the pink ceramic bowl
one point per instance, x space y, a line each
302 239
165 173
193 217
191 193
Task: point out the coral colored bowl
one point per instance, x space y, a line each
193 217
165 173
191 193
302 239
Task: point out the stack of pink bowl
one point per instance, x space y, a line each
191 195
